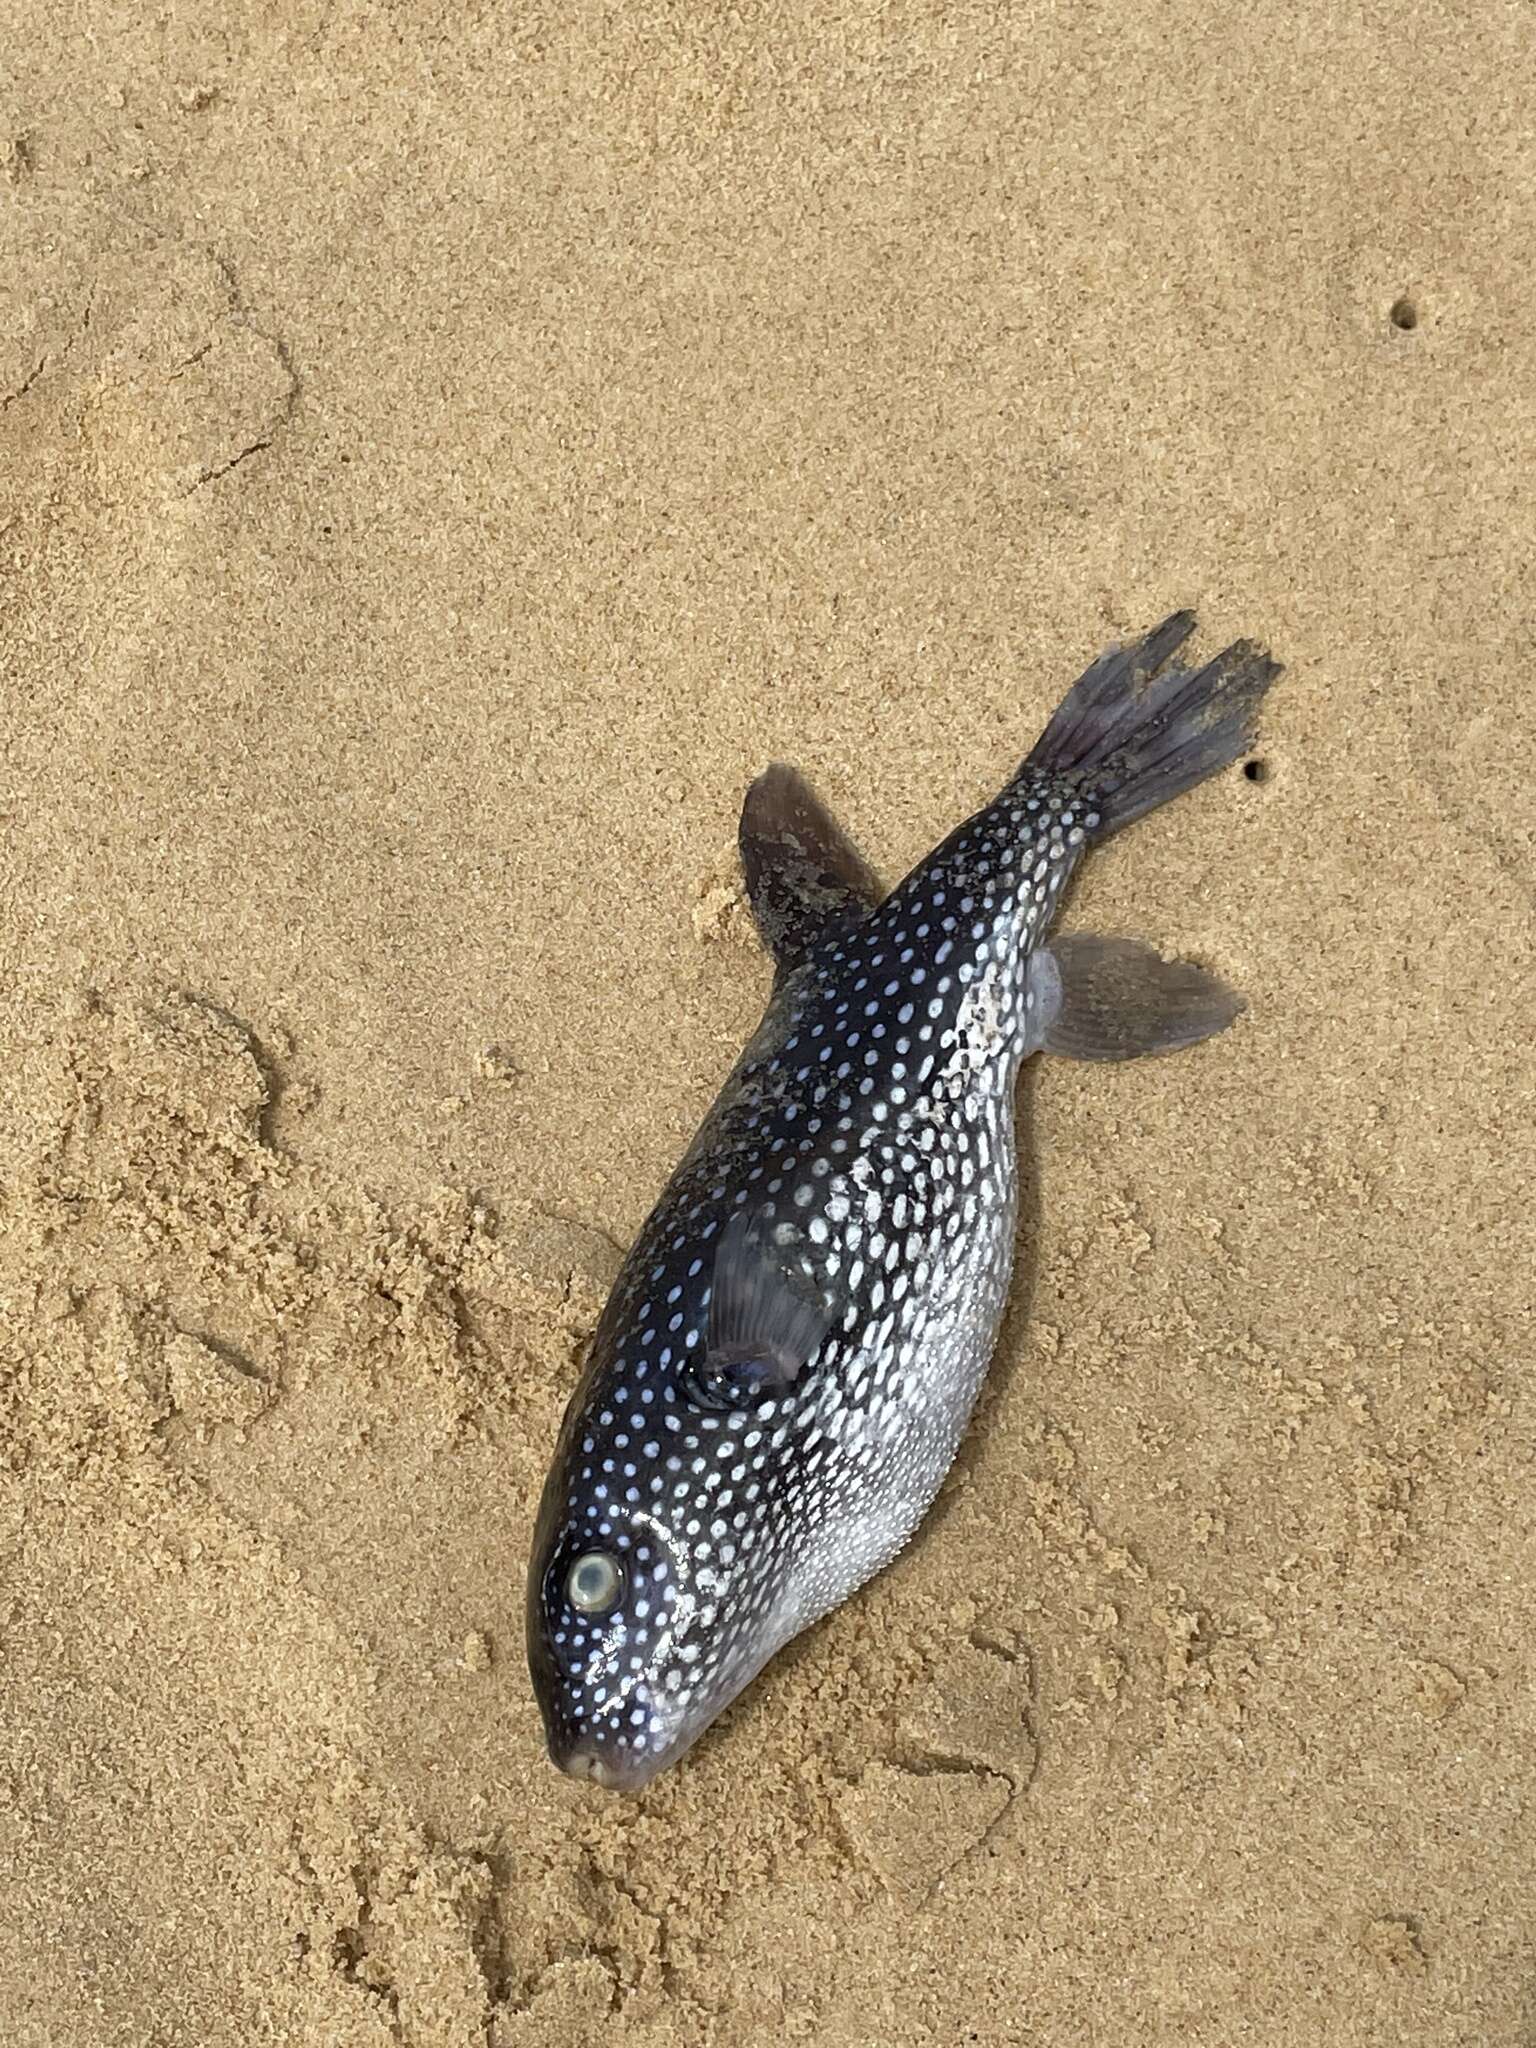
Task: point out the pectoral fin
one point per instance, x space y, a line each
805 877
1116 999
766 1321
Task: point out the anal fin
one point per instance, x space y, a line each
1093 998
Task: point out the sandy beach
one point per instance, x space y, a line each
444 455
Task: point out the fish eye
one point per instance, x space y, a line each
594 1583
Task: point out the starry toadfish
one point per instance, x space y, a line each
791 1351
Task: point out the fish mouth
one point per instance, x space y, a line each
586 1762
591 1760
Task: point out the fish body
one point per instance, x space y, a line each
793 1347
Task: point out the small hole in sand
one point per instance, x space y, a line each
1256 771
1404 315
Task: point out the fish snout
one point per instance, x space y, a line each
587 1761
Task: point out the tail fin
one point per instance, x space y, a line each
1134 739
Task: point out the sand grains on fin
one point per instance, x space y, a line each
805 877
1135 734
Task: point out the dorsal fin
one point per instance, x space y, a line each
805 877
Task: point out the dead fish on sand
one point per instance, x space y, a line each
790 1354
